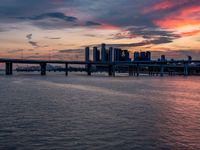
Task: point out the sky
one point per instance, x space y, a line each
60 29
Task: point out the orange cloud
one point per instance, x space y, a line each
172 23
191 33
188 16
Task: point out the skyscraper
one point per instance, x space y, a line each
163 58
103 52
110 54
116 54
189 58
136 56
126 55
143 56
96 54
87 54
148 56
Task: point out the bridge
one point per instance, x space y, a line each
134 67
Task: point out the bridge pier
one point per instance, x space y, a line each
150 71
43 68
9 67
138 69
66 69
130 69
186 69
89 66
111 70
161 70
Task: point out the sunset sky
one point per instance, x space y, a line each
60 29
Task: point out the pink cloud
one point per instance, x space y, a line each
186 16
164 5
108 27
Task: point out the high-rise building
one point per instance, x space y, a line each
163 58
87 54
96 54
148 56
143 56
103 52
110 54
116 54
126 55
120 55
189 58
136 56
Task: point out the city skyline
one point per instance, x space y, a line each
61 29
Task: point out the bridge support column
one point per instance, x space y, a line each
43 69
9 67
130 69
111 70
66 69
186 70
138 69
161 70
89 66
150 69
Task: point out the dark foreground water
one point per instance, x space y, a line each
80 112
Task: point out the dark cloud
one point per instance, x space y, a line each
51 20
146 33
18 50
29 36
57 20
15 51
90 35
52 38
91 23
149 33
55 15
71 51
157 41
34 44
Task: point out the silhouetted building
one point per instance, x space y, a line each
107 55
143 56
116 54
110 54
87 54
120 55
189 58
96 54
125 56
148 56
103 52
162 58
136 56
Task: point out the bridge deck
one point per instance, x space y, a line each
133 66
23 61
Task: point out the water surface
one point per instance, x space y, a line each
98 112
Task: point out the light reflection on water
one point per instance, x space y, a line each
80 112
